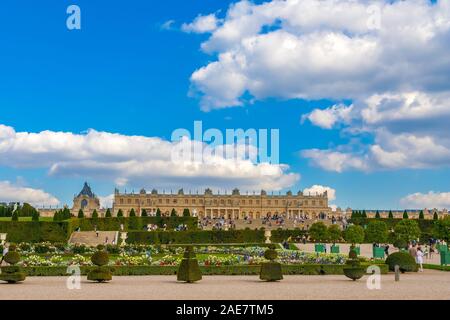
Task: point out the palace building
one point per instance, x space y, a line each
229 206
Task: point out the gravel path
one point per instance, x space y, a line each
427 285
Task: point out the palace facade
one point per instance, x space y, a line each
229 206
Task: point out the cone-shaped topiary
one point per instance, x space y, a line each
271 271
101 273
12 273
353 269
189 271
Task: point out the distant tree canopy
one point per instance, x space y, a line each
132 213
158 212
80 214
441 229
120 213
391 215
421 215
405 215
377 232
354 234
407 230
318 232
186 212
108 213
377 215
144 213
173 213
334 233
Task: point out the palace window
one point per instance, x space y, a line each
129 201
186 201
257 201
136 201
250 201
121 201
276 201
167 201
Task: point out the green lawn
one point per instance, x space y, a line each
26 219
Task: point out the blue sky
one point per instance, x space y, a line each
126 72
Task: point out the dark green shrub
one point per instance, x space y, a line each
100 258
353 269
189 270
112 249
404 260
12 257
271 271
12 273
400 244
102 272
79 249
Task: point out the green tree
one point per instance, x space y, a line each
354 234
120 213
318 232
35 216
144 213
80 214
421 215
377 232
65 214
441 229
133 222
407 230
95 214
391 215
435 216
132 213
57 215
377 215
334 233
186 212
355 214
173 213
27 210
158 212
364 214
15 216
405 215
108 213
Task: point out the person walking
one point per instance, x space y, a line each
419 258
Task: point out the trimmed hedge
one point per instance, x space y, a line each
327 269
280 235
195 237
33 231
60 231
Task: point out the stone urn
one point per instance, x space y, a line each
268 234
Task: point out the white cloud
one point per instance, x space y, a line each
372 53
410 130
136 161
430 200
202 24
327 118
336 160
37 197
318 189
168 25
316 49
106 201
